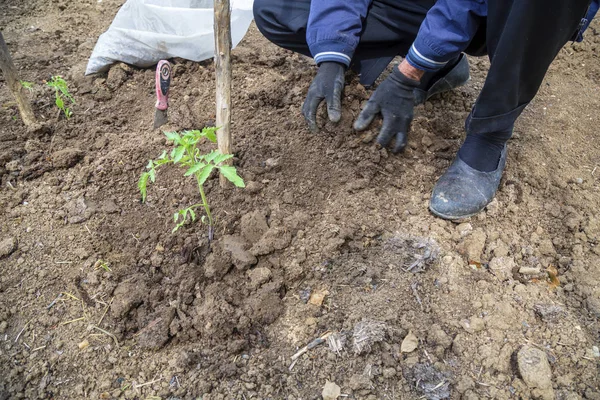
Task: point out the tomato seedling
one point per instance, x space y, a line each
61 94
186 154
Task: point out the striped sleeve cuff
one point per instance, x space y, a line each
332 56
422 62
332 50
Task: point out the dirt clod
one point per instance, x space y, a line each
7 247
66 158
535 370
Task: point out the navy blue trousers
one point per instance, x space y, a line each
521 38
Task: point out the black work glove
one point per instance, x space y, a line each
327 85
394 99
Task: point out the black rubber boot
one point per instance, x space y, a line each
463 191
457 76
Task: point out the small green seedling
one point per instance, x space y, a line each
62 95
101 264
186 154
27 85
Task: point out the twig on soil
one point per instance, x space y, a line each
38 348
147 383
136 239
24 326
70 295
105 311
105 332
73 320
54 301
63 262
321 339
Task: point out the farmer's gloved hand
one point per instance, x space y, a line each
327 85
394 99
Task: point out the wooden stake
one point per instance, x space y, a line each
223 77
14 84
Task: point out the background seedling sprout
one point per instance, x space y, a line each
61 94
27 85
186 154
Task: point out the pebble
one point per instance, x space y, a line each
3 326
475 324
529 271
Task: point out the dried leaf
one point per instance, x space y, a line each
317 297
409 344
331 391
553 280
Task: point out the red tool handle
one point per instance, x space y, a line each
163 81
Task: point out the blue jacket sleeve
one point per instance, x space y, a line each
585 23
446 31
334 28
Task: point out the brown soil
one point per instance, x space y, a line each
325 213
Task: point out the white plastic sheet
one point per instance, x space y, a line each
146 31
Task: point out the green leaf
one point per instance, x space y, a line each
177 154
211 156
176 216
173 136
195 168
210 134
60 103
204 173
230 173
192 214
222 157
142 184
152 175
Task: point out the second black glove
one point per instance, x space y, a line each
394 99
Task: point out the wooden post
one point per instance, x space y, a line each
14 84
222 29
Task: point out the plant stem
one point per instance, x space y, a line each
207 209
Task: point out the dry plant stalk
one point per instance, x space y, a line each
222 27
10 75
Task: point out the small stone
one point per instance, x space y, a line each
83 345
7 247
535 370
579 181
475 324
258 276
331 391
464 229
3 326
529 271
